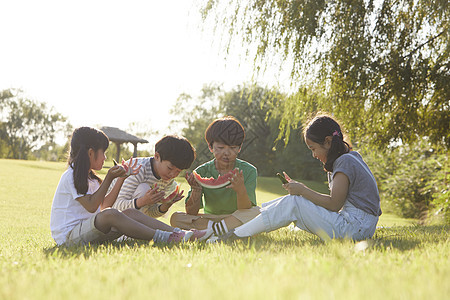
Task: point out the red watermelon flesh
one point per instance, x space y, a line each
214 183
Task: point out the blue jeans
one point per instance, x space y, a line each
350 222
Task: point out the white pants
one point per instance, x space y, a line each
350 222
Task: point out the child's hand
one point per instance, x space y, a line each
237 181
116 171
166 205
294 187
130 168
287 177
177 198
152 196
192 182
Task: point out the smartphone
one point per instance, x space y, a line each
281 177
115 162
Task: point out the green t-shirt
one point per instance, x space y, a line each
223 200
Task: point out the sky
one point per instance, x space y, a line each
111 63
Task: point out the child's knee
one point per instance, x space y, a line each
254 211
108 215
106 218
175 218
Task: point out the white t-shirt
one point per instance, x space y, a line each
67 212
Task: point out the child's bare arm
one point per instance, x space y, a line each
333 202
130 169
112 195
238 185
93 201
192 206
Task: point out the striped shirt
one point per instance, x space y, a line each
146 175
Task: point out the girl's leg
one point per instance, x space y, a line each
280 208
305 214
285 210
250 228
110 218
136 225
146 220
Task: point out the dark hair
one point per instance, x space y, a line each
83 139
177 150
227 130
318 129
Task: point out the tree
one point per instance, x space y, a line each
193 115
383 66
26 125
252 107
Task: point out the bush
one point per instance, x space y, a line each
412 180
439 186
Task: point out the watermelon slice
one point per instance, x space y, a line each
171 196
214 183
167 187
171 189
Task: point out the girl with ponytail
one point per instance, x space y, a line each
350 210
81 210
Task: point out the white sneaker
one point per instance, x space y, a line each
187 236
124 238
208 234
201 235
213 239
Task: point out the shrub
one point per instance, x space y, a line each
412 180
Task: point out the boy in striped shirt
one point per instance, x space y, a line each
172 155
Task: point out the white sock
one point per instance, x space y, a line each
219 228
161 236
250 228
210 224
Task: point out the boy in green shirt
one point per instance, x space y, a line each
227 207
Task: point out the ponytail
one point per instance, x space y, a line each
83 139
338 147
81 166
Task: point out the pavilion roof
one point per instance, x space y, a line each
119 136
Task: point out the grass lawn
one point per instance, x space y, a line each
403 261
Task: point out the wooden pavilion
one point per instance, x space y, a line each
119 137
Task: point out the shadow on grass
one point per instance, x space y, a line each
402 238
86 251
69 252
283 238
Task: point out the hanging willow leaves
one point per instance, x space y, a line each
380 66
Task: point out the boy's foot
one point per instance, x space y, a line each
212 239
201 235
230 237
177 237
124 238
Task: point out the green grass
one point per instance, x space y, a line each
403 261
